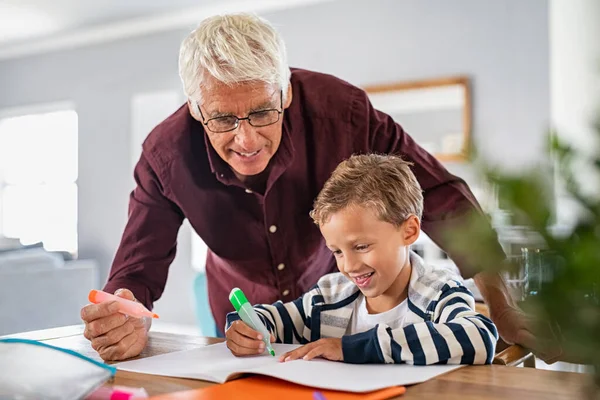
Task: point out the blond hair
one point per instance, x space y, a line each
383 183
233 48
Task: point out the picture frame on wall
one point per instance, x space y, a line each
436 113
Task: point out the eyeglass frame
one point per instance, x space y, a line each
237 123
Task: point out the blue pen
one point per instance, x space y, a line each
318 396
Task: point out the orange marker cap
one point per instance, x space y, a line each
92 296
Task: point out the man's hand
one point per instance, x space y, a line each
517 327
244 341
113 335
514 326
330 349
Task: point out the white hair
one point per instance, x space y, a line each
233 48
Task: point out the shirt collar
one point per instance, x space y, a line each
217 165
426 283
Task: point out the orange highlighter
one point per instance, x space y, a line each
128 307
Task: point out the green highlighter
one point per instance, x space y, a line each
249 316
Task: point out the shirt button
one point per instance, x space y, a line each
248 191
272 229
281 267
285 292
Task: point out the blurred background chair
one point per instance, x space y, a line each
514 355
203 312
40 289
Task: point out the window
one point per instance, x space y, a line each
38 175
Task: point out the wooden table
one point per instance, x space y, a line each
476 382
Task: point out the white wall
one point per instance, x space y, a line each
575 87
502 45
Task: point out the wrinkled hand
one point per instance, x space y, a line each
516 327
244 341
113 335
330 349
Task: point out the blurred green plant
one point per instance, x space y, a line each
569 295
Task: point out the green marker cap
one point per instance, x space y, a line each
237 298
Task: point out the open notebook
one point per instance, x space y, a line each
216 364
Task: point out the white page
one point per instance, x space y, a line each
215 363
211 363
358 378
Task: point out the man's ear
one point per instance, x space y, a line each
288 97
193 107
411 229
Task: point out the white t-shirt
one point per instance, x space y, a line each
362 321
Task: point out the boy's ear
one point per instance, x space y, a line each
412 229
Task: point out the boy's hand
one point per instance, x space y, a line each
244 341
330 349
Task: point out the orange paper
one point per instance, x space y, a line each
263 387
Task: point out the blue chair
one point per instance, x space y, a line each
203 312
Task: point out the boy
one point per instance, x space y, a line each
385 305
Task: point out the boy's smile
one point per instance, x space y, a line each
363 281
372 253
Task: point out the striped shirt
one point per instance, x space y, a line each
441 326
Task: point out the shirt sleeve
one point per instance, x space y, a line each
449 204
456 335
288 322
148 244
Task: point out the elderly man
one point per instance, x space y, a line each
243 161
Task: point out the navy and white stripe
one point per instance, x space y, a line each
443 325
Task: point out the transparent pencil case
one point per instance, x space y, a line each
34 370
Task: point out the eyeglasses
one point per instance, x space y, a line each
230 122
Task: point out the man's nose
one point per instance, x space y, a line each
246 135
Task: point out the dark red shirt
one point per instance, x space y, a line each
265 244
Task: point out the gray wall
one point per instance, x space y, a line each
502 45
